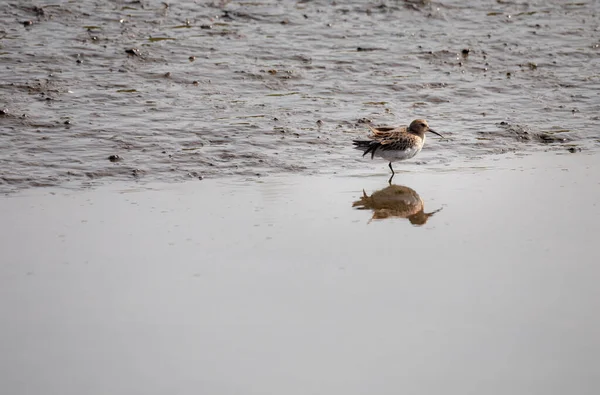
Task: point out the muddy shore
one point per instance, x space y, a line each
213 89
182 211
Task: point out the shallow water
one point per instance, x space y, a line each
269 287
206 89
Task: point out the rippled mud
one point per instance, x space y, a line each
94 91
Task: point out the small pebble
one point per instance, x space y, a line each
114 158
133 51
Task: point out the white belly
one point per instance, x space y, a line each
394 156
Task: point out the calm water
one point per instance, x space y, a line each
229 287
207 89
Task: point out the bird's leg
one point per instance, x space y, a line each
392 169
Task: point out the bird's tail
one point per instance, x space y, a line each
367 146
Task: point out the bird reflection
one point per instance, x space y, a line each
395 201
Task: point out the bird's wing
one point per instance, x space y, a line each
387 140
386 132
395 143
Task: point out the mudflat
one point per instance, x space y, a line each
96 92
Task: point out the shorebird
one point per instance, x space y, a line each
395 143
395 201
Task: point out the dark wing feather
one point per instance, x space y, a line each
368 146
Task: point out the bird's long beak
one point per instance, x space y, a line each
434 132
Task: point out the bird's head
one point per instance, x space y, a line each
420 127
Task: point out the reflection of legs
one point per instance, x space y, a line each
392 169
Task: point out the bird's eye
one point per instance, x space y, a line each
423 125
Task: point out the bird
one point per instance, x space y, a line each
395 201
395 143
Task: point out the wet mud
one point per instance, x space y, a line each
209 89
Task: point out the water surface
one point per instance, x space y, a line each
281 286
